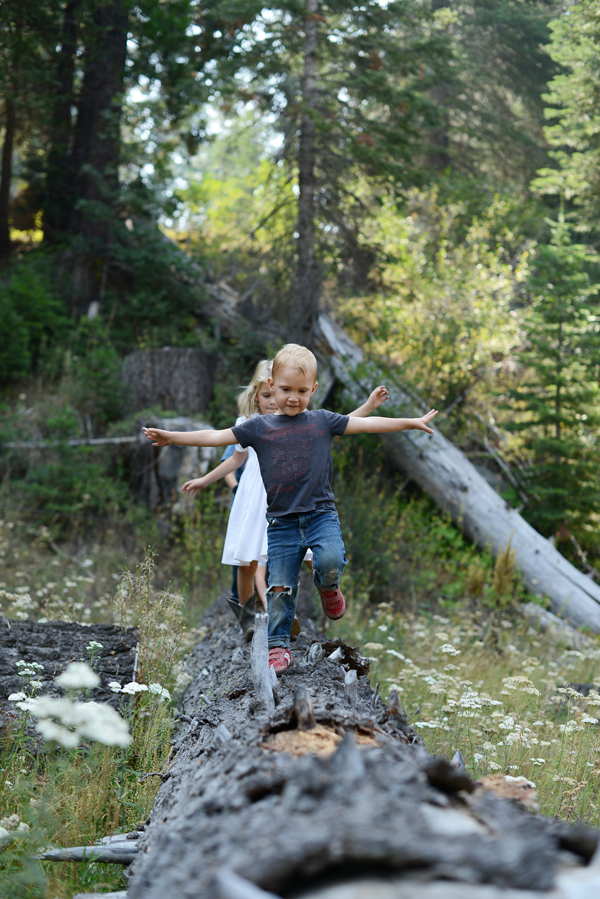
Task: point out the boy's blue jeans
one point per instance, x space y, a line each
289 537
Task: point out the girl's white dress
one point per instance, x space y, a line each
246 537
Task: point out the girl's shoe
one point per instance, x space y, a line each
334 604
281 659
245 615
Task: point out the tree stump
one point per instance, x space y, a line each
180 379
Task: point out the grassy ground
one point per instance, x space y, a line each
484 682
440 620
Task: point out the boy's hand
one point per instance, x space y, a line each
192 487
421 424
160 438
379 396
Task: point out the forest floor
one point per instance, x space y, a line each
471 676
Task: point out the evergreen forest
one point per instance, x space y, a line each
427 173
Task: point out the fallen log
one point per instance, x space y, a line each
455 485
331 789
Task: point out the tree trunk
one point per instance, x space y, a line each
449 478
58 206
307 280
10 124
96 149
439 141
331 787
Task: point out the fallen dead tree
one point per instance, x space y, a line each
440 469
455 485
333 787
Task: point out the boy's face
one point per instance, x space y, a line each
292 390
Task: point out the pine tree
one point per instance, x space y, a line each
557 405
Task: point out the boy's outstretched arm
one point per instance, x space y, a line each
225 468
379 425
190 438
377 397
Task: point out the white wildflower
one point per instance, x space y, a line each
489 747
538 761
587 719
17 697
382 627
507 723
26 705
159 691
431 724
77 676
374 647
494 766
398 655
57 734
115 686
132 688
570 727
93 644
449 649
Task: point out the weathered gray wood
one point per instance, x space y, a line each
157 473
120 894
455 485
284 821
119 848
118 855
71 441
261 676
172 378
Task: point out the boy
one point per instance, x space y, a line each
294 451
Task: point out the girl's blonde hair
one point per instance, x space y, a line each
247 402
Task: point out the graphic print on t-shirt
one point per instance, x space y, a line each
290 459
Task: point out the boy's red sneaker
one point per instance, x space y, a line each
334 604
281 659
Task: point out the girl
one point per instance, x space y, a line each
246 538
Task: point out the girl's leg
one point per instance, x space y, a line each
261 583
246 582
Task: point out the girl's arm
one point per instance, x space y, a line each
379 425
190 438
225 468
378 396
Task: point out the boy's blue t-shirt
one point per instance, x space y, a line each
294 453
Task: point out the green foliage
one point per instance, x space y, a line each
399 548
446 313
492 96
32 319
573 104
556 402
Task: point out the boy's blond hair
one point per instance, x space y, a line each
292 355
247 400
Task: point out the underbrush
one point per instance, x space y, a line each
95 772
485 682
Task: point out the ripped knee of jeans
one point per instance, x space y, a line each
274 591
329 579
